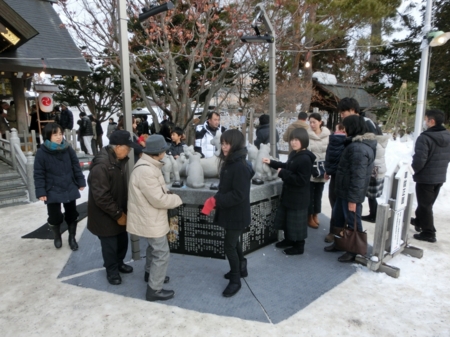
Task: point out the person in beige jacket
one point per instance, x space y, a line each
300 123
318 142
148 202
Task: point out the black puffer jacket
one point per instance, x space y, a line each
57 175
86 128
335 148
108 193
432 155
355 168
66 119
233 197
296 174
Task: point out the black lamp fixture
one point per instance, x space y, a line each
155 10
258 38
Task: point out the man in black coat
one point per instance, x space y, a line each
107 203
66 117
430 163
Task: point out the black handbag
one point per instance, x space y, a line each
318 170
351 240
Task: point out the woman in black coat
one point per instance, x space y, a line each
57 179
352 177
292 212
232 203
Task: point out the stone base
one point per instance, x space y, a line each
197 234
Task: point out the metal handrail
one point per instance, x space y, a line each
23 164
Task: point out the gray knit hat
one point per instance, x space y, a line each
155 144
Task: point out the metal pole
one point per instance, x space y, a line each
423 77
272 81
272 100
126 104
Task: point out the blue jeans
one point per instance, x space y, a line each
341 215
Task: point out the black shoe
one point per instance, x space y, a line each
125 269
297 249
369 218
72 228
158 295
147 275
284 244
331 248
347 257
57 241
243 267
424 237
114 279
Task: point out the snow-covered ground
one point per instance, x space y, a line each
33 302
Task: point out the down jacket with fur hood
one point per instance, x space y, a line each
149 200
355 168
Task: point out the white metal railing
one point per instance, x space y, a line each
11 153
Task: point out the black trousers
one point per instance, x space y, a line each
315 198
233 249
373 206
426 195
55 216
331 191
114 249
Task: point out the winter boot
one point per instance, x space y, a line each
57 235
316 218
297 249
234 285
311 222
243 268
284 243
72 232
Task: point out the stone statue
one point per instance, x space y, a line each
263 171
210 166
195 177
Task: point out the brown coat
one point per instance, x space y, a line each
297 124
107 193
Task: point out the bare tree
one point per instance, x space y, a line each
179 59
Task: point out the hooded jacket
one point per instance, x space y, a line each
108 193
57 175
149 200
296 174
233 197
432 155
355 168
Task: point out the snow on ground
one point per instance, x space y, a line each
33 302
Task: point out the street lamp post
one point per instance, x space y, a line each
126 83
438 39
268 38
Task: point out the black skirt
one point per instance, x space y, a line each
294 222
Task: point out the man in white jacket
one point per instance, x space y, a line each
205 133
148 202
